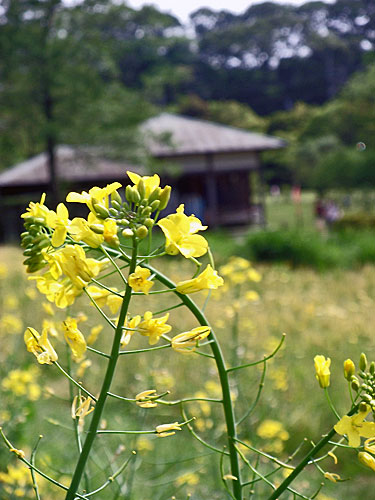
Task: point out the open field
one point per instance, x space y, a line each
331 314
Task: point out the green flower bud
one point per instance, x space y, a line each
101 211
363 362
43 244
135 195
154 195
141 188
115 197
366 388
129 194
362 406
149 222
28 252
124 222
116 205
355 385
164 197
127 233
141 232
155 205
372 368
366 397
112 211
97 228
146 211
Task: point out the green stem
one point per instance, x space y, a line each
96 417
223 376
306 460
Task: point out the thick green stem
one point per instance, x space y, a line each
220 363
306 460
96 417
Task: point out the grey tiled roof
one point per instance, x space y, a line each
187 135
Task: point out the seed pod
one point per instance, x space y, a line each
164 197
141 232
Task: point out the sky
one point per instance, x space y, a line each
182 8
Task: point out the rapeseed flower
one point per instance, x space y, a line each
150 182
60 223
139 282
81 407
186 342
322 370
74 338
179 231
153 328
104 297
94 196
40 346
367 459
146 399
127 334
165 430
206 280
355 427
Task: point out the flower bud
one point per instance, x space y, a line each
155 205
127 233
123 222
363 407
97 228
146 211
372 368
101 211
116 205
112 211
164 197
141 232
115 197
149 222
367 459
349 369
141 188
136 198
363 362
128 193
154 195
366 397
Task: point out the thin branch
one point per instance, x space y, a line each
74 381
260 388
266 358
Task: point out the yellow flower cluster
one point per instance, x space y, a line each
23 383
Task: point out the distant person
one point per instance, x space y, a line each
332 213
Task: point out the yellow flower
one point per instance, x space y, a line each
252 296
208 279
179 231
22 383
332 477
83 367
40 346
355 427
81 408
138 280
60 223
74 338
127 334
105 298
270 429
165 430
370 445
79 230
110 232
9 323
38 210
95 195
146 399
367 459
150 182
187 342
153 327
94 332
322 370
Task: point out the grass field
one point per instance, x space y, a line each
331 314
